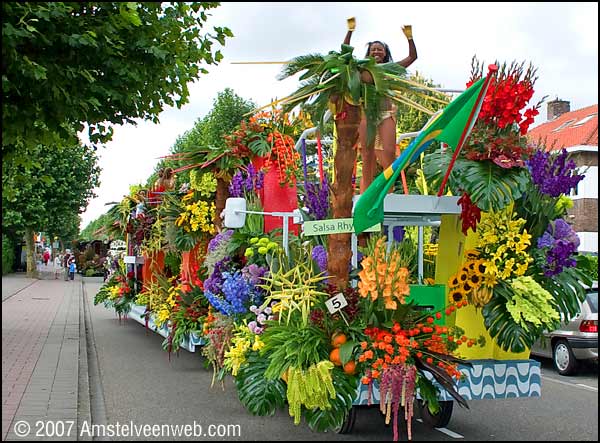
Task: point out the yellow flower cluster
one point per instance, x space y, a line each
205 183
114 292
197 216
242 341
164 308
503 245
382 277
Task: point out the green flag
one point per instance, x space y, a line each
451 126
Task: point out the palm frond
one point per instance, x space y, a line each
300 63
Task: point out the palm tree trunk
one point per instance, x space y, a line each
31 258
220 198
339 252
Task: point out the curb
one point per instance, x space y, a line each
84 413
97 406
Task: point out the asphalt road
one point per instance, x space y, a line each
141 386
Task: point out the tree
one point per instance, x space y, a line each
49 195
69 63
101 223
205 142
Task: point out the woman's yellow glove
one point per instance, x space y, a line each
351 23
407 29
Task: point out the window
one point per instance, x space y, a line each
586 119
564 125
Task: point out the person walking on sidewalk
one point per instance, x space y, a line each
72 268
65 263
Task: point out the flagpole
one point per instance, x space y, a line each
474 113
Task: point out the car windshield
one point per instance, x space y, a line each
592 299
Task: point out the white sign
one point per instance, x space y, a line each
336 303
133 259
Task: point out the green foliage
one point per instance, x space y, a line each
261 396
100 224
322 420
50 195
531 303
8 255
489 186
498 321
227 113
592 268
292 345
66 63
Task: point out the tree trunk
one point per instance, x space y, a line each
339 251
220 199
31 262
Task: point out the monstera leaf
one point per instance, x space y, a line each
501 326
489 186
566 287
322 420
261 396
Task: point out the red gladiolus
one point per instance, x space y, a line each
470 213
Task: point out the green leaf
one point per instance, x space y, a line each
346 351
259 395
320 420
489 186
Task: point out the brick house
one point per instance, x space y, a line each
577 131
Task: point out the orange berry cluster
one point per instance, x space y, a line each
283 155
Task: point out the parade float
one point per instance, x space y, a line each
440 304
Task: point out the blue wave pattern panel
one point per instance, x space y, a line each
487 379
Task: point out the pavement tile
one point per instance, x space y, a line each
40 342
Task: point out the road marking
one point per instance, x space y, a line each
444 430
581 385
449 432
588 387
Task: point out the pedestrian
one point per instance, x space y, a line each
65 263
72 269
57 265
383 149
46 257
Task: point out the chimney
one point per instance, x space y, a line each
557 107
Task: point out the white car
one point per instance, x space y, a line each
573 341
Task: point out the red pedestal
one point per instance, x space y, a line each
190 263
153 264
278 198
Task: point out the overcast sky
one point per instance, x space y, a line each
559 39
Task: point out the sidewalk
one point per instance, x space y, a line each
40 353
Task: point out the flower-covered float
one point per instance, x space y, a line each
440 305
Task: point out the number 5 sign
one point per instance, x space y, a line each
336 303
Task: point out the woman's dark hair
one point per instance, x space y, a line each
388 53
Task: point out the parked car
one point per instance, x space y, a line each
574 341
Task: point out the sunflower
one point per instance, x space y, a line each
467 287
472 254
462 276
453 282
474 280
456 295
470 266
479 267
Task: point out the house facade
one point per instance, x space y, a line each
577 131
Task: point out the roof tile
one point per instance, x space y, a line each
585 134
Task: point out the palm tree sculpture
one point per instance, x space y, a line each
345 85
